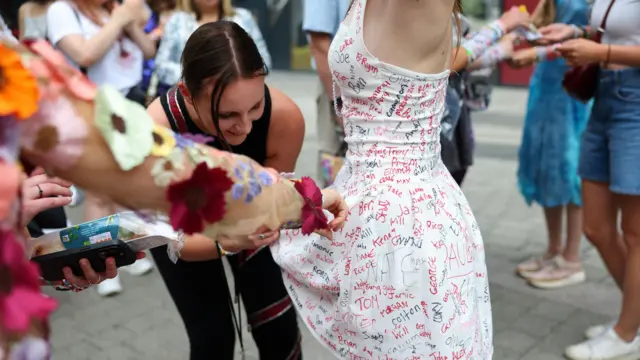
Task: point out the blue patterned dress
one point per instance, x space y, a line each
548 157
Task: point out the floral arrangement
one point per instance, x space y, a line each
93 136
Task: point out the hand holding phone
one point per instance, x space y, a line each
86 266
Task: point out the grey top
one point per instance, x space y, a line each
35 27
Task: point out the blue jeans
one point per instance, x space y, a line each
610 150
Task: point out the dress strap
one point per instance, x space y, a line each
173 111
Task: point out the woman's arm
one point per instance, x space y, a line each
143 40
167 60
65 32
628 55
247 21
495 54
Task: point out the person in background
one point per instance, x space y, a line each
191 14
32 19
548 156
321 21
609 153
107 42
160 12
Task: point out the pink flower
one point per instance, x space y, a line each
20 298
313 217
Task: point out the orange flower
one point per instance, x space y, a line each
18 88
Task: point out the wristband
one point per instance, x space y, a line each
64 285
577 31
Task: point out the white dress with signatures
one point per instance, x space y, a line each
406 278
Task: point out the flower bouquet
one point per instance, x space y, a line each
100 141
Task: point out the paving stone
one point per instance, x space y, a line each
538 355
535 325
515 340
505 354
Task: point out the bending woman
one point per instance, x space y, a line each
233 106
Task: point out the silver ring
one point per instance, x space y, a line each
261 236
41 193
97 282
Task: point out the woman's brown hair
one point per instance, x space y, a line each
226 9
224 51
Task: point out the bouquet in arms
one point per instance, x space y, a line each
100 141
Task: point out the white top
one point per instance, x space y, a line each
113 69
622 24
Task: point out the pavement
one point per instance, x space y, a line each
529 324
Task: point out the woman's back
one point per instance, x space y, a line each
390 112
412 36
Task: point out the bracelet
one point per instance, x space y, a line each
577 31
222 252
65 285
585 32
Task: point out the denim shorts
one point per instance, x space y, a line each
610 149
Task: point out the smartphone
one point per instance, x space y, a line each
51 265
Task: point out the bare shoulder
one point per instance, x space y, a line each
24 9
286 132
286 117
157 113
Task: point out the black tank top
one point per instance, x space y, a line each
254 146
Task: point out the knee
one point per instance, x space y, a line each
631 236
598 236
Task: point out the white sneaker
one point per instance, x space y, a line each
140 267
597 330
110 287
607 346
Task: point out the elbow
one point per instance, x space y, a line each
86 60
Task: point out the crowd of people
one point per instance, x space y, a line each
399 110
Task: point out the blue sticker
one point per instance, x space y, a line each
92 232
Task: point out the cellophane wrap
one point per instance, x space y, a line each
109 145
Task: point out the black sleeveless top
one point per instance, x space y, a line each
254 146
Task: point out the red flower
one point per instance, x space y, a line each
20 298
198 200
313 217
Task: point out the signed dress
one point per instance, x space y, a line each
406 277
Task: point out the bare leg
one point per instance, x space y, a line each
553 219
600 227
574 233
629 322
